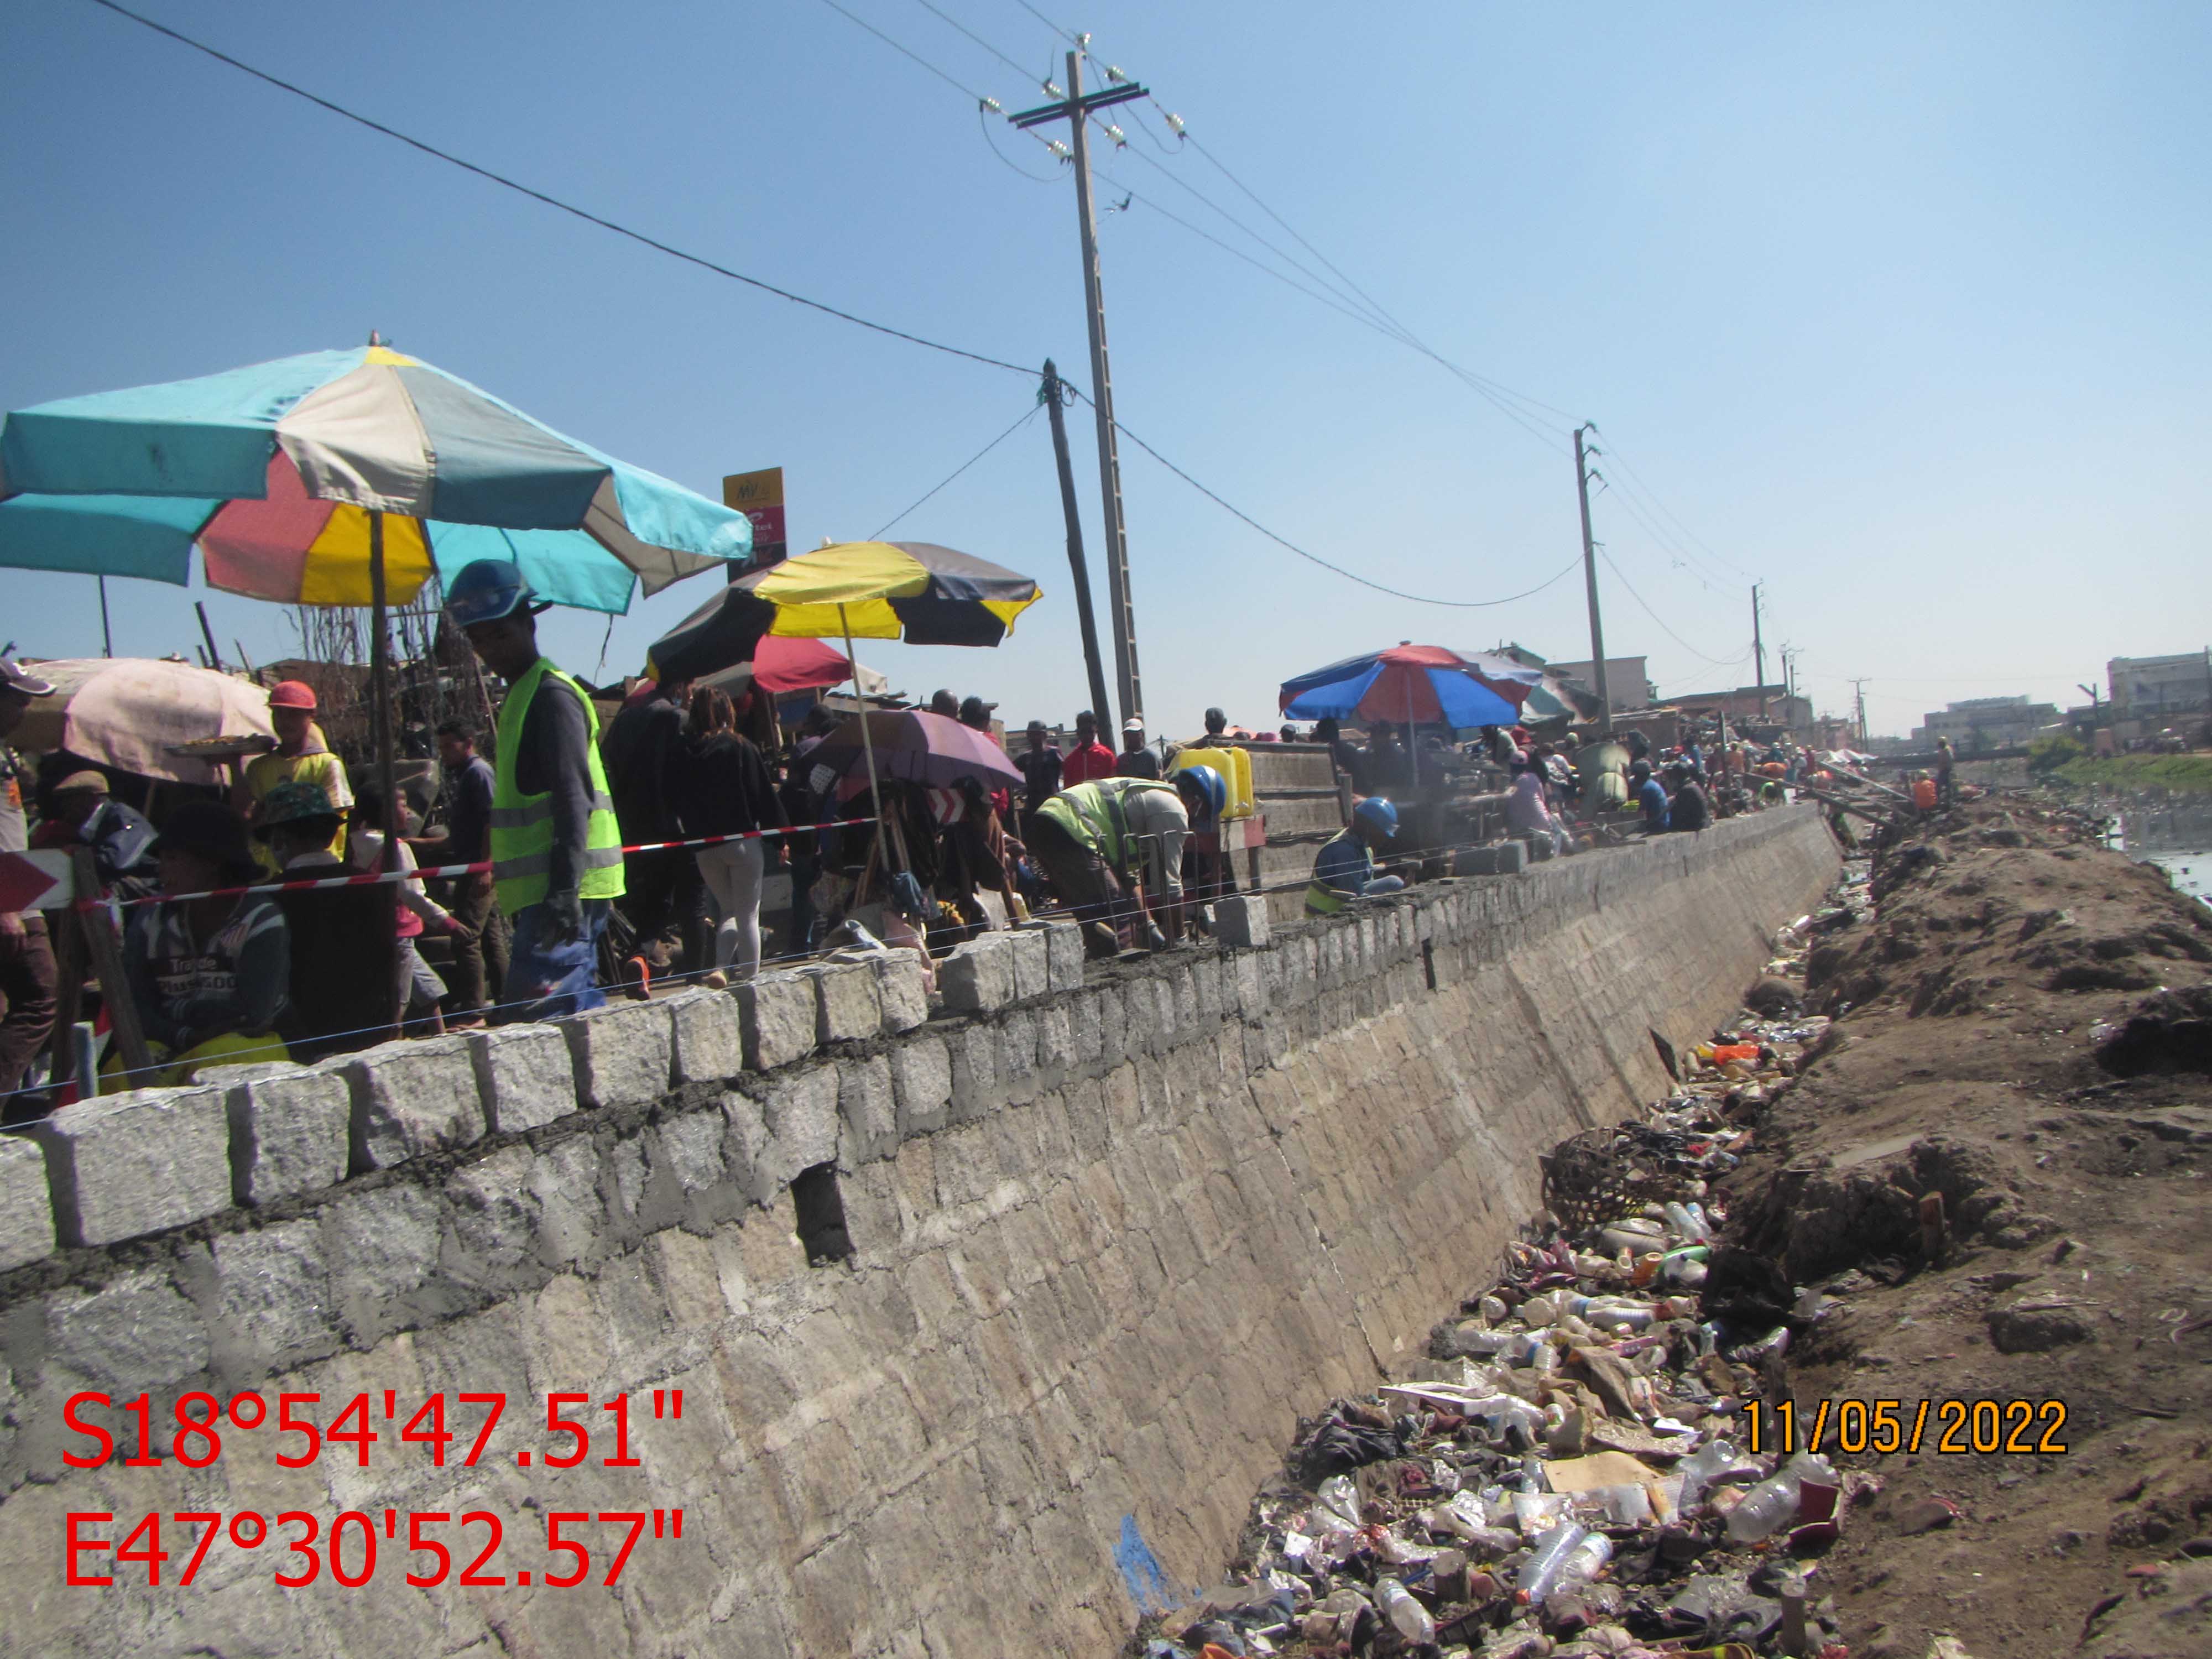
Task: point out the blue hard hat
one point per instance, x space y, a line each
1378 813
1211 791
485 590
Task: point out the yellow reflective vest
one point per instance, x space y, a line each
522 825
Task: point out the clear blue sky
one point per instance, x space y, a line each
1901 308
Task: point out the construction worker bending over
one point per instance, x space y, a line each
555 851
1092 838
1346 869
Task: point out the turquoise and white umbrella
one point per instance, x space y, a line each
287 474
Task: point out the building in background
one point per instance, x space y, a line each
1982 723
2151 687
1627 684
1760 706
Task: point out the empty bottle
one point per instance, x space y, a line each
1583 1563
1772 1504
1540 1573
1410 1617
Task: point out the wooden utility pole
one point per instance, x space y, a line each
1075 109
1051 392
1859 686
1758 651
1589 578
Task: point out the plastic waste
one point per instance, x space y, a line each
1588 1559
1540 1573
1772 1504
1409 1616
1535 1512
1688 1225
1712 1464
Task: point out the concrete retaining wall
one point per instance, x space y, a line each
1107 1235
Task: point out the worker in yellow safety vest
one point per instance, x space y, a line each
1119 839
1345 867
555 851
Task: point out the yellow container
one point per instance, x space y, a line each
1235 766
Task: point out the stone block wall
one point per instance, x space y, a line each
1063 1264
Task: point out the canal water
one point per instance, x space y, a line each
2191 871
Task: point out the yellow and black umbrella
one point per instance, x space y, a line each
917 592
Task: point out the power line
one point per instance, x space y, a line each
570 208
903 52
955 22
1653 497
964 465
1075 41
1230 508
1717 662
983 118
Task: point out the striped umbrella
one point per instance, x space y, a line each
917 592
286 475
341 478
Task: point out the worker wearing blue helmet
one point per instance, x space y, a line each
556 850
1346 868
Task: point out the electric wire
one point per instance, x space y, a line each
956 23
1653 497
1235 510
983 119
1030 416
570 208
1075 41
903 52
1717 662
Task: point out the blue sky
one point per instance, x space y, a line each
1899 309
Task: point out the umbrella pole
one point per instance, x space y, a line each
867 742
379 719
1413 736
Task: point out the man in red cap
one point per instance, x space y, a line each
300 755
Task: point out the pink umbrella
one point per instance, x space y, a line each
125 712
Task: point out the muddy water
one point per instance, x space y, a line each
2190 872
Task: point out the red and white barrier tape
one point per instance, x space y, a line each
377 877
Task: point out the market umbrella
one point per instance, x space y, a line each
912 745
780 667
1406 683
125 712
917 592
341 477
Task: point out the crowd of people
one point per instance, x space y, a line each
608 860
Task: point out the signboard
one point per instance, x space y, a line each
759 496
34 881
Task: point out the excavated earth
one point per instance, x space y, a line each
1999 1166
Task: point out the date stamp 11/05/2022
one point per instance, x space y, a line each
1951 1428
101 1548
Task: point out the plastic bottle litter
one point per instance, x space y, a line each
1772 1504
1409 1616
1584 1562
1540 1573
1592 1342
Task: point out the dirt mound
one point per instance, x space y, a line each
1999 1167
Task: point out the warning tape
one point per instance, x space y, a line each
379 877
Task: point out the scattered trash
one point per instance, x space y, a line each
1573 1476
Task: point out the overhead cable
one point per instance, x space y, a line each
1717 662
570 208
1026 418
1230 508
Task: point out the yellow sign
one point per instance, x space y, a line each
759 496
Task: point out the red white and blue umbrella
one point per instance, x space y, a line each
1410 684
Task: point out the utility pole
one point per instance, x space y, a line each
1859 687
1758 651
107 635
1050 393
1589 578
1075 109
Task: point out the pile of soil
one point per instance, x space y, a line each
2000 1161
